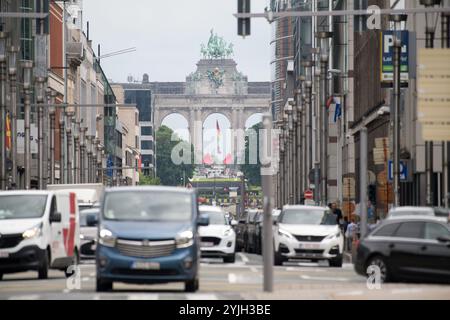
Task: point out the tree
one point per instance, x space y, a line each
168 172
148 181
252 172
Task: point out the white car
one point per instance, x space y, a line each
308 232
218 239
405 212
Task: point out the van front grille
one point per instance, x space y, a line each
10 240
145 248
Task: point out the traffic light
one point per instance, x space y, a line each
243 23
372 194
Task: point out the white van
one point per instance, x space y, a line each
38 230
88 194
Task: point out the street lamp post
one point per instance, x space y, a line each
70 155
12 72
3 178
76 155
324 38
52 114
40 90
430 21
282 178
397 19
27 67
290 172
83 155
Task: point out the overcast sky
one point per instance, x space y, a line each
168 34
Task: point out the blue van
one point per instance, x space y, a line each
148 235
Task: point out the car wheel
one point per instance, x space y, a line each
230 258
336 262
191 285
278 259
75 262
380 262
43 268
103 285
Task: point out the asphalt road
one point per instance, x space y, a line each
241 280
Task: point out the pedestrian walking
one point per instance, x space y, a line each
350 233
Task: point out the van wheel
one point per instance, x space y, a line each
43 268
103 285
75 262
191 285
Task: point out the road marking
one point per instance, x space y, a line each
143 297
96 297
232 278
406 290
297 269
253 269
306 277
25 297
66 291
243 257
201 297
239 278
351 293
85 279
92 274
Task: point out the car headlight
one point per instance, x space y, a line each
184 239
33 232
106 238
285 233
228 232
334 235
81 236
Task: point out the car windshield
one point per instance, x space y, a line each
215 217
148 206
308 216
22 206
84 214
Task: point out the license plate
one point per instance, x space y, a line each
4 254
143 265
206 244
309 245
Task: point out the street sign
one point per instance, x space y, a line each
309 194
387 56
403 171
434 94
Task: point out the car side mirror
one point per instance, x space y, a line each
91 220
203 220
444 239
234 223
55 217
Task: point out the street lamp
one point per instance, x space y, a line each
12 70
40 96
3 179
324 39
27 67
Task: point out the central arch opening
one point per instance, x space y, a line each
178 124
217 140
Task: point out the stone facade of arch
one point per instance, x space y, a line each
215 87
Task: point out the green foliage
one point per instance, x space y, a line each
169 173
252 172
148 181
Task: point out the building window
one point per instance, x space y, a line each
142 99
147 145
136 142
146 131
119 139
26 36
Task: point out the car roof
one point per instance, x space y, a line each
25 192
210 208
306 207
413 209
407 218
150 188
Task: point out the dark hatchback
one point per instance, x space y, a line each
407 248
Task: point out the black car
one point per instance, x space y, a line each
407 248
240 229
253 223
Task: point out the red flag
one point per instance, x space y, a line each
330 101
207 159
139 164
228 159
218 137
8 132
